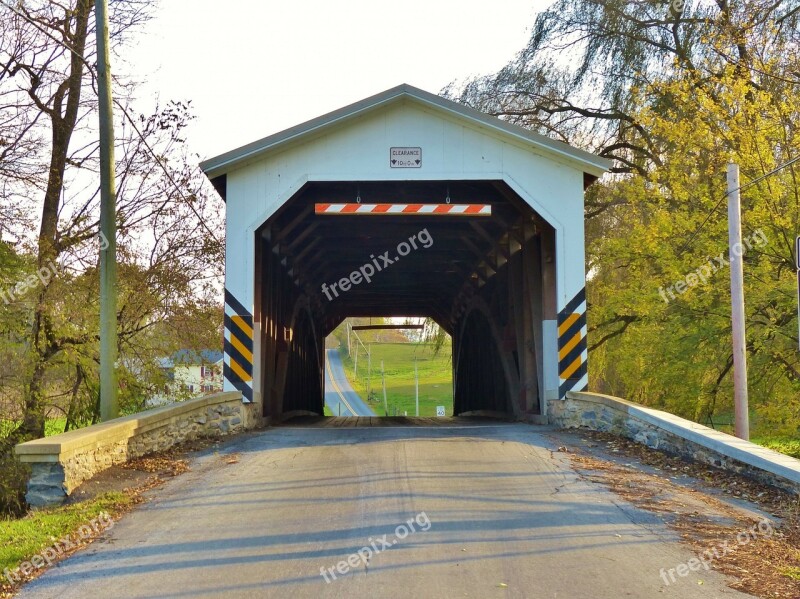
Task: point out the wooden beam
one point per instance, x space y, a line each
306 232
495 245
478 254
305 250
394 327
284 231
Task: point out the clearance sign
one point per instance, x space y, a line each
405 157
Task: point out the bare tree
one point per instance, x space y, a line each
167 217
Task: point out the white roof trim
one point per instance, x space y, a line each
219 165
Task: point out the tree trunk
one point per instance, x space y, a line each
63 116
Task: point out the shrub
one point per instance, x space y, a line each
13 481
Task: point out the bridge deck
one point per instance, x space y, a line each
369 421
497 511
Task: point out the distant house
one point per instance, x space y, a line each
190 373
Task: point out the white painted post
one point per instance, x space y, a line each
385 403
550 361
736 251
416 385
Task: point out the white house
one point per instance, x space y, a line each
190 374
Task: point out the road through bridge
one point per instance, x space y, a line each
340 397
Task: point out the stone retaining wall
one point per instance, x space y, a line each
62 462
677 436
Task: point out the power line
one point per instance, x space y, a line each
53 38
703 224
167 172
772 172
724 197
124 111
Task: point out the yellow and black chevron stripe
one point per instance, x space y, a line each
572 350
238 363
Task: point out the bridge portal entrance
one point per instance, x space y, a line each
407 204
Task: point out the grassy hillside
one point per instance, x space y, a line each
435 377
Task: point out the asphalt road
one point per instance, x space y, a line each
495 511
339 395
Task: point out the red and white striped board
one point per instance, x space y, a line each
406 209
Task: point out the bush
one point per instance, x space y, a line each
788 445
13 482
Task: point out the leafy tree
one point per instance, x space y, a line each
672 92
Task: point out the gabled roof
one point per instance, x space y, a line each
590 163
189 357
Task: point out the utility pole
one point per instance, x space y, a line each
369 370
416 385
797 265
109 407
736 251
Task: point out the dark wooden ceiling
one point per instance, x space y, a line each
466 252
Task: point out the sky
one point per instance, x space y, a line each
253 68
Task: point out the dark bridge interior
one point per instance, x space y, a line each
489 281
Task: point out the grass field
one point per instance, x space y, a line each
788 445
23 538
761 433
53 426
435 377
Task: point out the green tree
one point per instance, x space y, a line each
672 92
